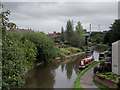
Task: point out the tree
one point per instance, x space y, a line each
62 36
79 35
69 31
11 25
114 34
45 45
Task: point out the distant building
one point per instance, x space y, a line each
116 57
18 30
53 35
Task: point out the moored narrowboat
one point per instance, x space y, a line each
85 62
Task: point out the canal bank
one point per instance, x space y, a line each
59 59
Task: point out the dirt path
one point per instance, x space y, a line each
86 80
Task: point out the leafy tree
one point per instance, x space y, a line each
62 36
11 25
97 37
45 45
12 62
69 31
80 32
114 34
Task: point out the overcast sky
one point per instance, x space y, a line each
49 17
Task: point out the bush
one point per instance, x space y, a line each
20 52
118 83
108 75
58 53
30 51
45 45
96 69
102 47
12 62
62 56
78 49
66 52
72 49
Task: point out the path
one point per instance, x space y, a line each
86 80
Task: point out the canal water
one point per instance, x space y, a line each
58 74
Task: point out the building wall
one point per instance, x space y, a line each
116 57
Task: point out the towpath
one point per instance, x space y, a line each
86 80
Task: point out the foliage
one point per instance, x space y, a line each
45 45
30 51
96 69
13 62
20 53
97 37
58 53
62 56
78 49
66 52
69 31
74 50
102 47
71 37
114 34
100 85
118 83
62 36
109 75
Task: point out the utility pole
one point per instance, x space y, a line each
99 27
90 28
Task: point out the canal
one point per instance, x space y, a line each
58 74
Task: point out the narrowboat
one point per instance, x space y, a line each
85 62
103 54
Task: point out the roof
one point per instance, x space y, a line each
53 35
19 30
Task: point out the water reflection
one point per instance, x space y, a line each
54 75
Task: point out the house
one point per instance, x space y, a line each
53 35
18 30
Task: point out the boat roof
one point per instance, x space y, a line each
102 53
88 58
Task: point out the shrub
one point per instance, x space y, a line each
66 52
30 51
72 49
118 83
45 45
62 56
102 47
96 69
57 51
108 75
12 62
78 49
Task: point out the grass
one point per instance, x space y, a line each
77 82
100 85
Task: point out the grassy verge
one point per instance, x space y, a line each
77 82
100 85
